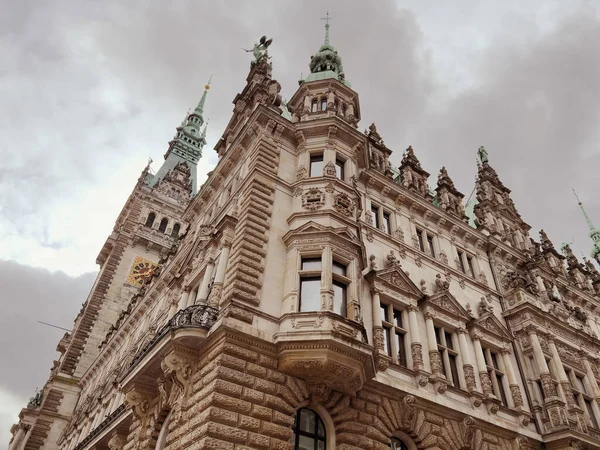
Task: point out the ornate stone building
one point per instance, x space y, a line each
311 296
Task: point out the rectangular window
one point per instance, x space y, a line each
316 165
581 396
470 264
430 243
448 355
387 224
495 371
310 284
392 322
314 106
324 105
421 238
340 288
339 169
461 264
375 216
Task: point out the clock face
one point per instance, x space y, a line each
141 270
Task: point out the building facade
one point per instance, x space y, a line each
311 296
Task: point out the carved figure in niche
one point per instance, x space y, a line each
392 261
483 307
372 263
441 285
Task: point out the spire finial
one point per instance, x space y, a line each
200 108
327 18
587 219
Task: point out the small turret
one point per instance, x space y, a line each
413 176
449 198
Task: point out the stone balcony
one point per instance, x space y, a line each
325 349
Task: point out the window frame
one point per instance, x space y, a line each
449 356
387 222
494 364
342 281
391 330
316 157
341 165
375 209
310 275
149 223
162 229
314 106
582 397
315 436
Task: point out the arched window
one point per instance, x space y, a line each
163 225
397 444
161 441
150 219
309 431
175 232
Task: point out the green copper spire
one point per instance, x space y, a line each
326 63
186 146
594 232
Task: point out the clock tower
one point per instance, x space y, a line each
147 229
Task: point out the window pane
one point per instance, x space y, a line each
339 298
324 105
421 243
590 411
494 360
501 394
454 370
307 421
398 318
306 443
386 223
339 169
430 242
316 165
321 445
461 265
386 341
314 106
470 263
339 268
375 214
310 293
311 263
448 337
580 386
438 334
384 313
321 428
401 349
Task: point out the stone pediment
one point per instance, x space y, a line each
396 279
490 324
313 228
445 303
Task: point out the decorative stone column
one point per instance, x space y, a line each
563 379
484 377
202 295
466 359
378 338
515 390
326 280
591 378
183 300
217 288
434 355
415 339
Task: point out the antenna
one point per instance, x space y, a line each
576 196
53 326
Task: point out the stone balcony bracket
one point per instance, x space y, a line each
185 334
323 347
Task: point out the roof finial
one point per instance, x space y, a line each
200 108
326 19
587 219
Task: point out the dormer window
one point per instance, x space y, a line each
324 105
314 106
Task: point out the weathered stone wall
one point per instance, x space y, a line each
239 400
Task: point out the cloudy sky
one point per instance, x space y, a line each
90 90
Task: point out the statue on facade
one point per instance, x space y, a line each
260 50
36 400
483 154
